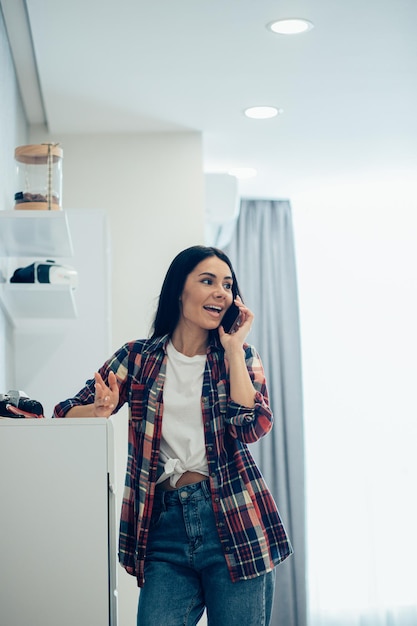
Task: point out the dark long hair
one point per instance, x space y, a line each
168 311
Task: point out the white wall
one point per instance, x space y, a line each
13 132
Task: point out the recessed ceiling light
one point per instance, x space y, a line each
262 112
243 172
290 26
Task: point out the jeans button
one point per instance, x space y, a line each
184 494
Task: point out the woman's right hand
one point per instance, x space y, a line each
106 396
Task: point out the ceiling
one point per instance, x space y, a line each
347 88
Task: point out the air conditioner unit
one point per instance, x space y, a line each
221 197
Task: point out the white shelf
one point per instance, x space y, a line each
37 301
44 234
35 234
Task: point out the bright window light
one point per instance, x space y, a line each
262 112
291 26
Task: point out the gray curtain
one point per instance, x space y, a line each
261 249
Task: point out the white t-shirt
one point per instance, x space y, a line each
182 442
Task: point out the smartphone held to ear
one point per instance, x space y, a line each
230 321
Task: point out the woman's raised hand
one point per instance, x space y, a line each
106 396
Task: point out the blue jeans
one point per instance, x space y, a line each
185 569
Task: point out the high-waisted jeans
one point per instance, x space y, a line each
186 572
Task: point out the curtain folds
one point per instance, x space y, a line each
261 249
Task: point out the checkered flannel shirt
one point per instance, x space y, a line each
251 532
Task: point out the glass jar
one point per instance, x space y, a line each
39 177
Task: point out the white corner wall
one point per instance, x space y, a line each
13 132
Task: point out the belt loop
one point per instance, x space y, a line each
205 486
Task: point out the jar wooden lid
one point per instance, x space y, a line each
38 154
37 206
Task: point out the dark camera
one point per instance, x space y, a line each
17 404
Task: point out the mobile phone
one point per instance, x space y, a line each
230 320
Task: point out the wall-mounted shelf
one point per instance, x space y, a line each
35 233
37 301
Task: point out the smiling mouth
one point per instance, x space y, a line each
216 310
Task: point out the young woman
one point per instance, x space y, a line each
199 528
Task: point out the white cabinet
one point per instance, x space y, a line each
34 235
58 532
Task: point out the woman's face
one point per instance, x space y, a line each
207 294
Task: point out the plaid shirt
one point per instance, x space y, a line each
249 526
